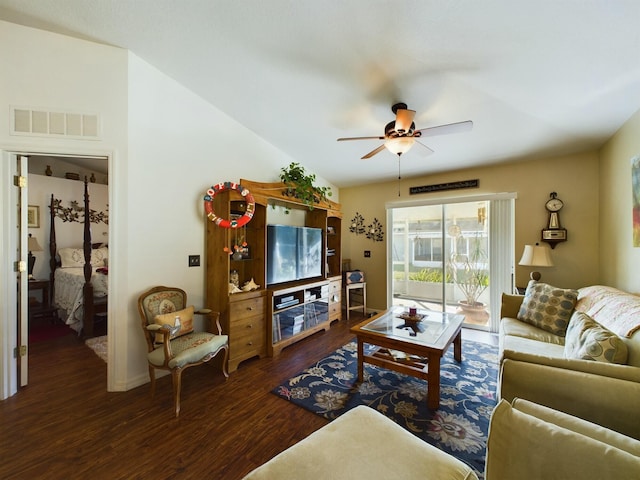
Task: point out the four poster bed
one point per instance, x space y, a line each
79 278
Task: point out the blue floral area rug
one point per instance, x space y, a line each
467 397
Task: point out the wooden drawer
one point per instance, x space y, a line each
246 308
248 338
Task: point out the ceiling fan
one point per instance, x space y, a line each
401 134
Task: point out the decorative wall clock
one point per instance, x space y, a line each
554 233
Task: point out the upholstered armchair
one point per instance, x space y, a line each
173 345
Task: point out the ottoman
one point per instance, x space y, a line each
365 444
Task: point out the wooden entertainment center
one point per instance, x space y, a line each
265 320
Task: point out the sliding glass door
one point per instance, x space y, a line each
441 258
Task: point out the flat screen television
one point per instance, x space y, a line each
293 253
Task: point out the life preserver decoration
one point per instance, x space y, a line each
223 222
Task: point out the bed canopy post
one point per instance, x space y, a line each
88 270
53 248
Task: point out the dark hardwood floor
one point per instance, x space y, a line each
64 425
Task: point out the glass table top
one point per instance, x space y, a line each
432 329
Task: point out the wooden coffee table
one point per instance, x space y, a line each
413 346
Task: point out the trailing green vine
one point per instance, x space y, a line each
299 185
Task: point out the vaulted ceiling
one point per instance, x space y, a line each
538 78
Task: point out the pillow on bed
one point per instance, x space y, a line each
74 257
186 322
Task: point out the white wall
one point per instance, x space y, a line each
56 73
166 146
179 146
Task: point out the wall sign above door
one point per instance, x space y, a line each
439 187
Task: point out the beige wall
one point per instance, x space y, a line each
619 260
574 178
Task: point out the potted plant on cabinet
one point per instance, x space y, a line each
300 185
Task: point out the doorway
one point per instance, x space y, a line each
451 256
61 176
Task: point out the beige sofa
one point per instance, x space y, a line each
526 442
534 363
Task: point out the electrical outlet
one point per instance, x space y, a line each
367 253
194 260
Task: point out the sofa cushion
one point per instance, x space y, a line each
578 425
516 328
521 348
548 307
588 340
558 452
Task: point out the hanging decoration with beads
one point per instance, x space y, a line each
234 222
240 247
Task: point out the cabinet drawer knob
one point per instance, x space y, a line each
250 325
250 344
249 308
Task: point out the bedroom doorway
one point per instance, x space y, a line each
61 175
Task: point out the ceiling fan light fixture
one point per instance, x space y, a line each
399 145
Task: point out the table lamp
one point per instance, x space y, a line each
33 246
536 256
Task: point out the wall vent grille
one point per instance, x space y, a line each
41 122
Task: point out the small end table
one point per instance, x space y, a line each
44 308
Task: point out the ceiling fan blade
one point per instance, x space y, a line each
457 127
373 152
423 149
360 138
404 119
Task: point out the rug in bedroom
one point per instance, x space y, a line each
467 397
99 346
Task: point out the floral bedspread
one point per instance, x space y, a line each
68 297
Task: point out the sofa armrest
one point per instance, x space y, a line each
523 446
510 305
604 400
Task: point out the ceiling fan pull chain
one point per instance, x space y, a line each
399 177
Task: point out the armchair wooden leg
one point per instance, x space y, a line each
224 363
152 376
176 376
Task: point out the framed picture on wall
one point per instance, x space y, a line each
33 216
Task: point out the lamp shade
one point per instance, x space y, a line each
33 245
536 256
399 145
